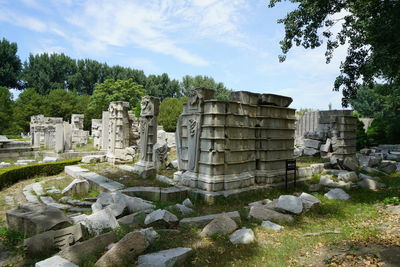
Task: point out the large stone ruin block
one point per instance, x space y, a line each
223 145
97 132
79 136
43 130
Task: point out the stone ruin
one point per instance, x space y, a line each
326 133
148 136
54 133
224 145
116 132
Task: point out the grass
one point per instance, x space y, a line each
86 148
305 161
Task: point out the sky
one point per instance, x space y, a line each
234 41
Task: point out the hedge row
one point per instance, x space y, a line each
12 175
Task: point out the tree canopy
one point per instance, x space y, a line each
369 27
10 64
189 82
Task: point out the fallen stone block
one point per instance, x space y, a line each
74 171
242 236
188 203
55 261
81 251
173 194
265 214
33 218
101 183
94 158
97 222
76 187
202 221
387 166
169 257
350 163
50 159
161 217
310 151
125 251
370 184
145 192
222 224
149 234
317 168
289 203
310 143
271 225
133 220
337 194
309 201
180 209
348 176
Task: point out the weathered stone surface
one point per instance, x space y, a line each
188 203
79 252
49 201
309 201
304 172
297 152
174 164
387 166
202 221
370 184
348 176
242 236
74 171
165 258
55 261
317 168
133 220
327 146
76 187
99 221
350 163
310 143
46 242
145 192
271 225
328 182
260 202
149 234
101 183
161 217
337 194
172 194
180 209
364 176
165 179
262 213
135 204
310 151
33 218
314 187
289 203
50 159
94 158
222 224
125 251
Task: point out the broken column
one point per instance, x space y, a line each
105 121
79 136
96 132
118 132
148 136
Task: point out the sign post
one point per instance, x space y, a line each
290 166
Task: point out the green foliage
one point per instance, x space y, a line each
13 239
61 103
392 200
119 90
162 86
10 64
362 137
303 110
13 174
369 27
170 109
189 82
381 102
5 109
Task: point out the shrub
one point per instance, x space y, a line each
170 109
12 175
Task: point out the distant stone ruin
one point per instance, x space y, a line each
96 132
326 133
224 145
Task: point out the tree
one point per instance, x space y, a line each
162 86
110 90
189 82
28 103
61 103
381 102
46 72
369 27
5 108
10 64
170 109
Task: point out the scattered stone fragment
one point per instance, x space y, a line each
370 184
165 258
76 187
149 234
350 163
202 221
135 204
33 218
289 203
317 168
337 194
222 224
263 213
161 217
188 203
364 176
181 209
327 181
387 166
133 220
55 261
125 251
49 159
271 225
94 158
309 201
174 164
49 201
242 236
79 252
348 176
99 221
260 202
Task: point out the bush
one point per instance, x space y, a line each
170 109
12 175
362 137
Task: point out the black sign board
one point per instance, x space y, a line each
290 166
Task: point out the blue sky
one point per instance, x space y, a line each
234 41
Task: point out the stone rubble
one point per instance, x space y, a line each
242 236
